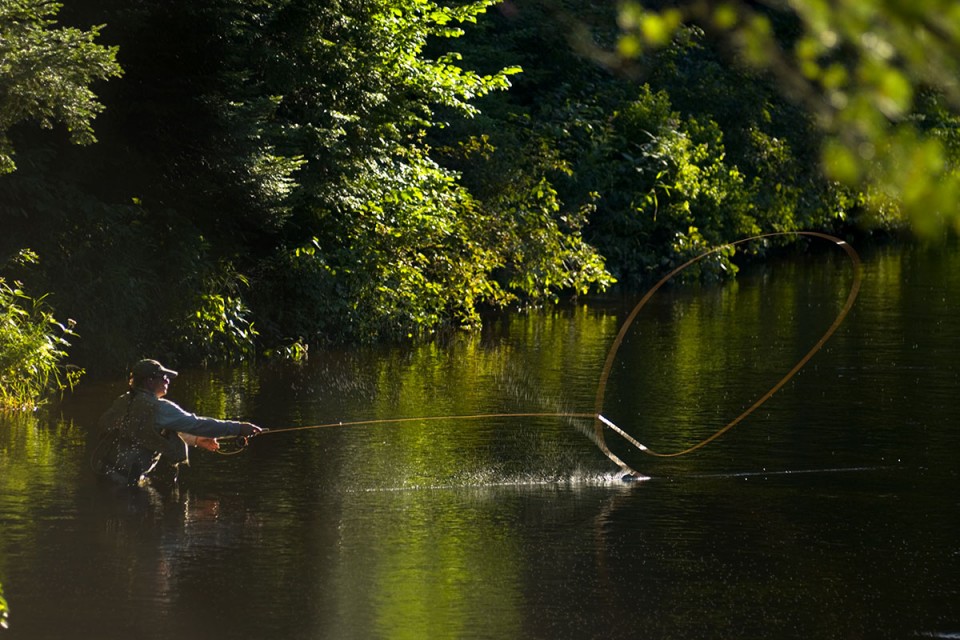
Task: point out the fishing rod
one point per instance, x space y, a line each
238 443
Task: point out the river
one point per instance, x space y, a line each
829 512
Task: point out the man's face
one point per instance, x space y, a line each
158 385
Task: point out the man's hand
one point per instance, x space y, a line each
210 444
249 429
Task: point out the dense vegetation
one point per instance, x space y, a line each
274 174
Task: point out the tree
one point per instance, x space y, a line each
875 76
669 154
382 240
46 73
274 160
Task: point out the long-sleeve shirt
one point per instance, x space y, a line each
169 415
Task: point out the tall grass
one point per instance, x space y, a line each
32 346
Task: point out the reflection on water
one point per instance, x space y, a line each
831 512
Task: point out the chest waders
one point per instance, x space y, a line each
130 445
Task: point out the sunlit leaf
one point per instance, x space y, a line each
840 163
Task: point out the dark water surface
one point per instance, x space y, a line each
831 512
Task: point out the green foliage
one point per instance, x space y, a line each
417 257
651 181
379 240
546 250
32 345
540 238
46 72
699 154
296 351
774 144
110 265
270 128
279 173
674 189
858 72
219 329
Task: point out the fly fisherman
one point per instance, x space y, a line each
142 429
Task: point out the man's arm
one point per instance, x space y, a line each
210 444
172 417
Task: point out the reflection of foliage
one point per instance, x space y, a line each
424 574
32 344
4 611
37 464
35 455
225 395
571 344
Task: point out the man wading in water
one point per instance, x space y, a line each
142 429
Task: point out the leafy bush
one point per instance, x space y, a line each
219 329
32 344
661 183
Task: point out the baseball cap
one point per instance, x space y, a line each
149 369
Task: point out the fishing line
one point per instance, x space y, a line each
611 355
239 442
